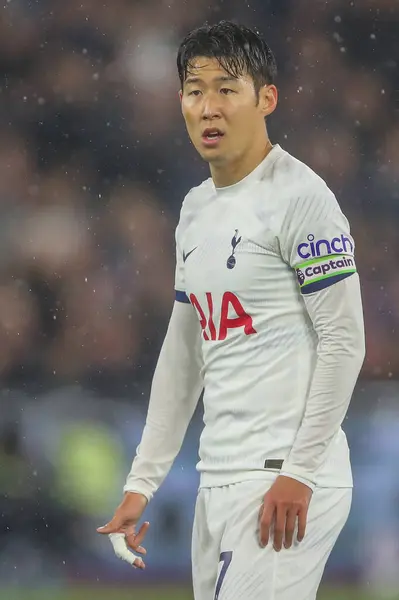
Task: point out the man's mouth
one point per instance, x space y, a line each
212 135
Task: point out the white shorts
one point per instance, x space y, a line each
228 562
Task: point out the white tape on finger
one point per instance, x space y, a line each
121 550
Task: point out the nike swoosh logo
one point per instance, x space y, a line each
185 256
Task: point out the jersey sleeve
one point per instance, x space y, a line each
175 391
316 241
180 285
337 317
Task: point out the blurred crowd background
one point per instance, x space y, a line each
94 164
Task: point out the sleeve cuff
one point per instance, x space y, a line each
137 489
298 477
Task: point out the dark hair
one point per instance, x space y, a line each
238 49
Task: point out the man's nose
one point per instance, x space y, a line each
211 107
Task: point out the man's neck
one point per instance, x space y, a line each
231 173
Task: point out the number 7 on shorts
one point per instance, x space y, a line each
225 558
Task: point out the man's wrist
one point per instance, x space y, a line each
147 495
299 478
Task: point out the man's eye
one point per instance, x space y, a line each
194 93
226 91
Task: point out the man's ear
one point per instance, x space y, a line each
268 97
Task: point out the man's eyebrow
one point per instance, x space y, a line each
226 78
196 79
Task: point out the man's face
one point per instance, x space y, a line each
222 113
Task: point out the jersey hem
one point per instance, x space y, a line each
219 479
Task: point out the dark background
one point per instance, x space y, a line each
94 164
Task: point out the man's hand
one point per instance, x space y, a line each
122 529
286 501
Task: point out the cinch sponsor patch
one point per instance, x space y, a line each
313 247
319 273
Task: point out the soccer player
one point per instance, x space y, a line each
268 321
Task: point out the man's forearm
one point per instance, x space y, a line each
337 317
175 390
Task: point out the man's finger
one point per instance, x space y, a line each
139 563
290 528
119 543
134 540
266 519
279 527
302 518
140 535
112 527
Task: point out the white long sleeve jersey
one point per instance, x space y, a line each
267 268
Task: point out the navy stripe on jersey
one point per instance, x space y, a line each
324 283
182 297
